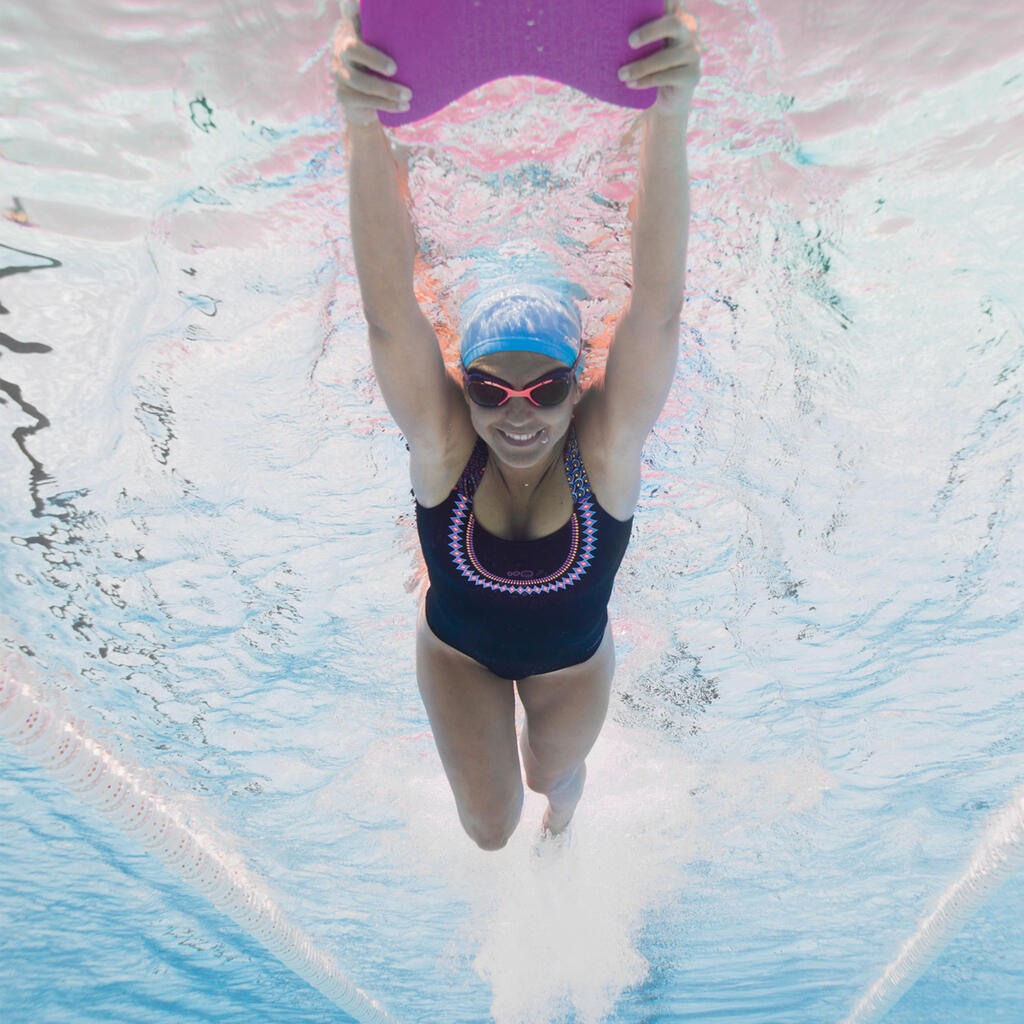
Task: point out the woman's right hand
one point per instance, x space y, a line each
361 92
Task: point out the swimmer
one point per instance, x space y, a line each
525 483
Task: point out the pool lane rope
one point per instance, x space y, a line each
995 859
34 718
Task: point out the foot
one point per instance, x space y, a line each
562 801
548 846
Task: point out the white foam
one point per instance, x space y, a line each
563 931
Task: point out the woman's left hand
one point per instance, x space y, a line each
674 69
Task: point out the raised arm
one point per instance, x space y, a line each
406 356
642 359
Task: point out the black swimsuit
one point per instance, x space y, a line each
521 607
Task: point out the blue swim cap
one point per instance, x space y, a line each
523 318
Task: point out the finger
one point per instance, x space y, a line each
669 27
680 77
363 104
373 88
664 60
364 55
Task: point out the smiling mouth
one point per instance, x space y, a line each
520 440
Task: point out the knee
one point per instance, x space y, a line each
489 838
492 831
553 784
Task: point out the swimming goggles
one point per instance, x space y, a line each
547 391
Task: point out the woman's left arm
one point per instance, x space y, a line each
661 216
642 359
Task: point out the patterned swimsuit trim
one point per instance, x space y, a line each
583 542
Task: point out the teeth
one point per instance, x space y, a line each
520 437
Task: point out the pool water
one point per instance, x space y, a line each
209 552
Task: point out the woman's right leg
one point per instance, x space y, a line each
472 714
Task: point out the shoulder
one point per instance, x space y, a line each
612 463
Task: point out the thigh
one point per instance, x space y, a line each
472 715
566 709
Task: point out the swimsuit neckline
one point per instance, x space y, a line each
565 527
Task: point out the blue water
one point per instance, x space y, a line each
208 543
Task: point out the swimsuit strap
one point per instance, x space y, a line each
473 472
575 472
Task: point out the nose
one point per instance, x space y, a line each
518 410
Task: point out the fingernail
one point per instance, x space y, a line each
623 75
405 94
634 40
392 68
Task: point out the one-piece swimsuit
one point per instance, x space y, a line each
521 607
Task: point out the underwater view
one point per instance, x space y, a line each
220 796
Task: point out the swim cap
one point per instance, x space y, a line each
523 318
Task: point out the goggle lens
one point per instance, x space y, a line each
551 392
488 395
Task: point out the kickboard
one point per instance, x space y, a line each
446 48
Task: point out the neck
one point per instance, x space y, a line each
523 483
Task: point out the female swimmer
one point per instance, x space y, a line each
525 485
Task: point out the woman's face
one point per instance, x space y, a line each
520 433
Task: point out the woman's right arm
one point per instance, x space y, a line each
419 394
407 360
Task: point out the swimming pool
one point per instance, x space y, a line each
208 547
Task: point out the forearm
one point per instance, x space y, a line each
382 234
661 217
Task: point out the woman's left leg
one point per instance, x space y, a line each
564 714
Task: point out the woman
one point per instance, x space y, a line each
525 485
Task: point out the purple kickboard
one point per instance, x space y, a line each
446 48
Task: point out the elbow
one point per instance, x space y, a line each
397 316
661 310
673 314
